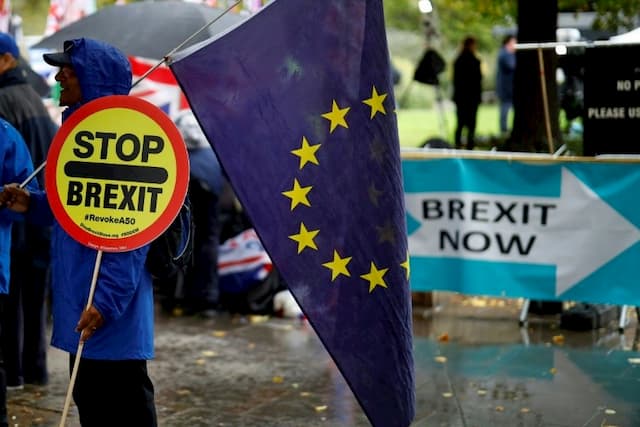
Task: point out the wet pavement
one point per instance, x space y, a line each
475 366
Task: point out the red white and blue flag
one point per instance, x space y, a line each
159 88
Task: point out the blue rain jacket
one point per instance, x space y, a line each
124 292
15 166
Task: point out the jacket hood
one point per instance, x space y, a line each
101 69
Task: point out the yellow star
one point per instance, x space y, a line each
406 265
305 238
307 153
298 194
375 102
338 266
375 277
336 116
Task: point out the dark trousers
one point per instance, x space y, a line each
466 117
3 377
24 341
201 284
112 393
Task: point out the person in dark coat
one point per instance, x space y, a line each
201 291
505 70
23 340
467 91
15 166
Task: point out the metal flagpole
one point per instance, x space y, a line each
145 75
177 48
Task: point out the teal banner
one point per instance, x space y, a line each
517 226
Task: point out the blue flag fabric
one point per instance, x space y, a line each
298 104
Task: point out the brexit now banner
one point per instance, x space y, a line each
537 228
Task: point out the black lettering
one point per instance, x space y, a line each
135 147
141 194
454 241
109 195
479 207
456 206
505 212
93 193
431 209
154 197
483 239
74 194
105 137
525 213
515 240
127 197
147 148
544 208
83 139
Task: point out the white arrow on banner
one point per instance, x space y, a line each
577 232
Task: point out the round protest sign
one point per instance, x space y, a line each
117 173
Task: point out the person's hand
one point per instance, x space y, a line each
89 322
15 198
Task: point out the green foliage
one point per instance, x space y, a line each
616 14
402 14
33 13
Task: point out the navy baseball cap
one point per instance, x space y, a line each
8 45
60 59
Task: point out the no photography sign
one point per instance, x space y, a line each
117 173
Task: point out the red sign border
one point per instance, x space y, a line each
179 191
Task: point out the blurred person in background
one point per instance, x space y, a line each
201 291
23 339
467 91
15 166
505 70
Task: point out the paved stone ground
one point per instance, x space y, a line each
475 366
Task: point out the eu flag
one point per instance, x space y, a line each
298 104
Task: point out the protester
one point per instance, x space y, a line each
467 91
112 385
505 70
200 292
24 343
15 166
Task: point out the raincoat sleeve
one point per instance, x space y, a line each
16 165
39 211
120 275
